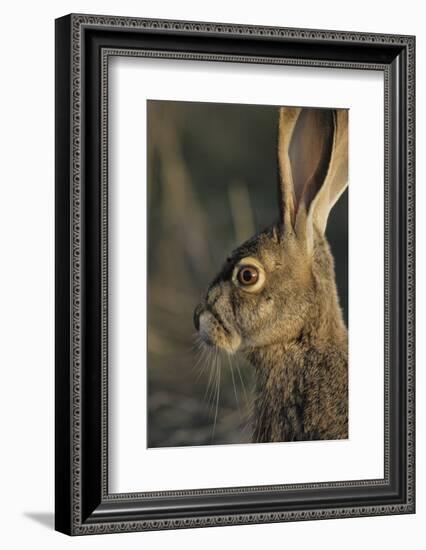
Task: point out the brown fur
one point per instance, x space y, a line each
291 327
302 391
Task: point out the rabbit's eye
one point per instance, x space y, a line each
248 275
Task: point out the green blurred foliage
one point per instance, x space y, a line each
212 183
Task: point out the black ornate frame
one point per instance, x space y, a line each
84 44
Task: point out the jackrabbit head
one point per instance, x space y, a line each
269 287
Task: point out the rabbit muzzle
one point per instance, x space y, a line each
213 330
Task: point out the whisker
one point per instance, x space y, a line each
201 364
233 384
213 380
217 403
214 386
211 365
198 343
242 385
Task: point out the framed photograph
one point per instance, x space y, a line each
234 274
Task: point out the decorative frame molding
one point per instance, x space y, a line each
84 43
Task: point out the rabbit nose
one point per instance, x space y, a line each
197 312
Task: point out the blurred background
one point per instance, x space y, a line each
212 183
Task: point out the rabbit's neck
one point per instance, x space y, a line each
302 384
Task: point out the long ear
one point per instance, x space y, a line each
336 179
287 199
312 154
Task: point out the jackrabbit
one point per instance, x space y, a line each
275 298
